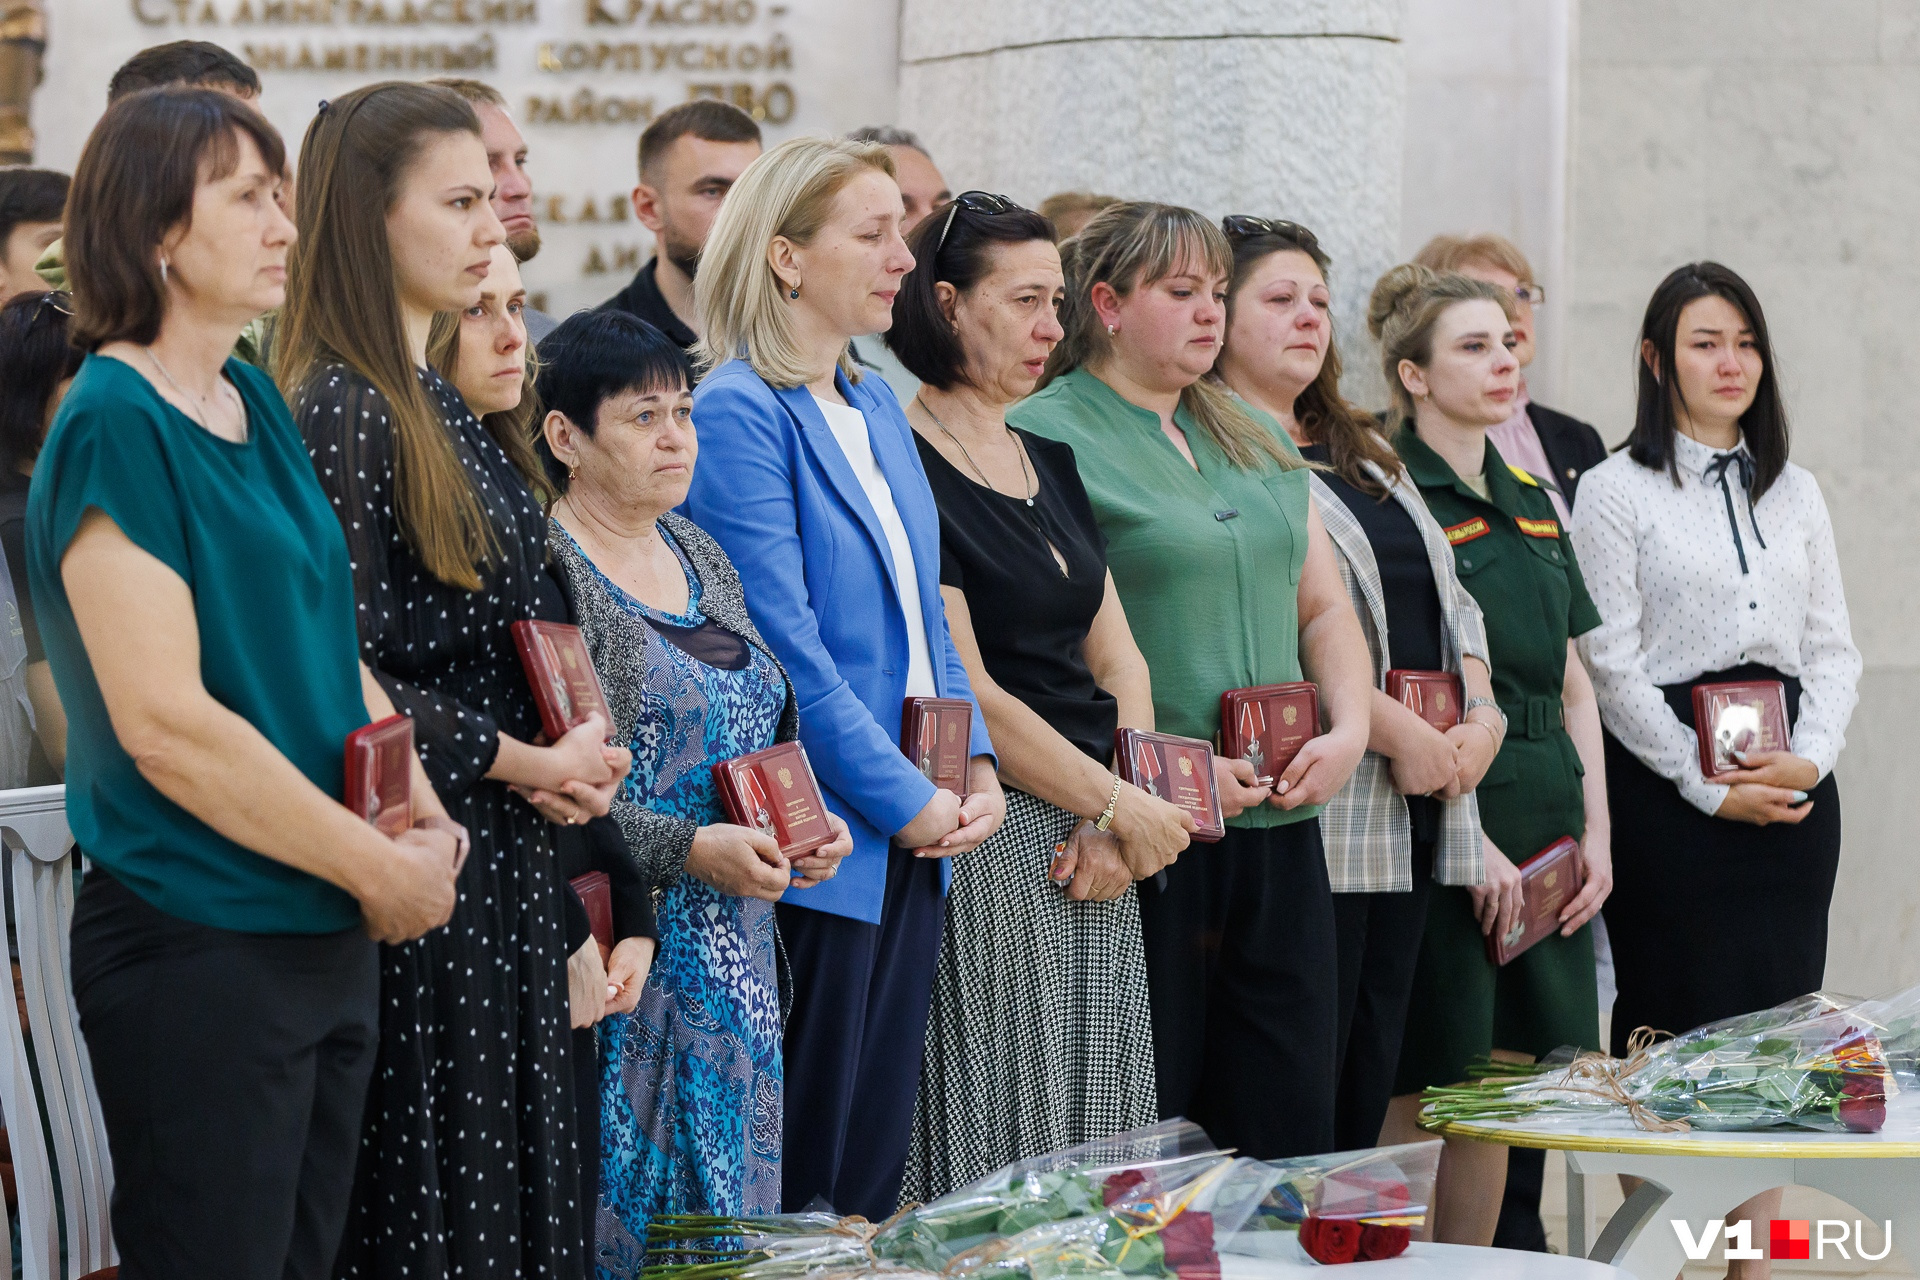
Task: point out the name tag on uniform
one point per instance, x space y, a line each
1538 528
1467 530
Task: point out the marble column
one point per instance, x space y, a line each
1285 108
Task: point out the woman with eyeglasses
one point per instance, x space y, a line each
1711 558
1228 580
820 500
1041 1031
1408 819
37 365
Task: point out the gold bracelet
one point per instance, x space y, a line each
1497 738
1105 819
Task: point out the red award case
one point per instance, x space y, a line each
937 735
1434 696
1178 770
1747 716
558 666
380 774
596 895
1267 724
775 791
1548 882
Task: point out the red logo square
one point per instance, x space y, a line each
1789 1238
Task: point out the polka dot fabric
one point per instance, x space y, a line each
469 1136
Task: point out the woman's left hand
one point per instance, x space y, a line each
627 974
462 845
1323 766
1781 769
577 802
1088 865
587 986
1596 854
824 863
981 813
1477 742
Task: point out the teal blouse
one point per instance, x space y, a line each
247 528
1207 562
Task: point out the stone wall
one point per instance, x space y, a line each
1778 137
1288 108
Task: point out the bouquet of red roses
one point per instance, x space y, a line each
1351 1206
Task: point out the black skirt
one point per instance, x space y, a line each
1710 917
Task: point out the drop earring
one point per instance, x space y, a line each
794 292
1112 329
163 272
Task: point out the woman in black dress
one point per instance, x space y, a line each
471 1111
1040 1036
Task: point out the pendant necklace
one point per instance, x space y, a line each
199 417
1026 476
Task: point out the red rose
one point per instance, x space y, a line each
1383 1242
1330 1239
1864 1114
1861 1084
1188 1238
1198 1270
1120 1186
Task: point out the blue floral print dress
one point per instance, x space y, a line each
691 1079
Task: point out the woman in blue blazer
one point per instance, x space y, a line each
814 488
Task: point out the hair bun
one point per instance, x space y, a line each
1392 290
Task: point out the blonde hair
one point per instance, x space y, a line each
1405 306
1136 243
1452 253
788 191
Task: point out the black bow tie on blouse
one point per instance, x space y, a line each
1740 461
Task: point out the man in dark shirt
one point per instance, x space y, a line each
689 159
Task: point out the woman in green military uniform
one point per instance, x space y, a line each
1446 344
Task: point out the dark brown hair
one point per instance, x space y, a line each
30 195
1352 437
35 358
921 335
343 305
1656 417
707 119
133 186
200 64
512 429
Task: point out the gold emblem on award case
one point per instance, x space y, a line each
953 731
567 656
1186 766
1552 878
1289 714
786 778
1439 699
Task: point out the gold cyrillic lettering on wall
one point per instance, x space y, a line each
475 55
672 13
773 105
331 13
620 258
652 56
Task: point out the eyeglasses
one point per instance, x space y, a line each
984 202
1532 294
1242 226
59 299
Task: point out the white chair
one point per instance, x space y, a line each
40 862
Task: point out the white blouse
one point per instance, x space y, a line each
1664 568
849 427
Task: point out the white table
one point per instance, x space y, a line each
1697 1177
1419 1262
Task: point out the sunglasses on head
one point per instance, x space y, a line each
984 202
1242 226
59 299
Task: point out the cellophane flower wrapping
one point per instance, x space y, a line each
1350 1206
1820 1061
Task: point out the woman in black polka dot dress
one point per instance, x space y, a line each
470 1116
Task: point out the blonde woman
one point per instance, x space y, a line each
820 500
1228 580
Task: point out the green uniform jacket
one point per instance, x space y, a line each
1207 562
1515 559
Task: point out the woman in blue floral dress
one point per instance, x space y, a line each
691 1079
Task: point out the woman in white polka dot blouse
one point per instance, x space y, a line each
1711 558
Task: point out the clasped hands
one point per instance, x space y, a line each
1771 788
948 825
1447 765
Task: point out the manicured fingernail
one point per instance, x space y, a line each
1799 797
1060 848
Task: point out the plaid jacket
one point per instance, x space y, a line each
1368 838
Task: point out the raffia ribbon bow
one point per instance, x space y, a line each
1602 1076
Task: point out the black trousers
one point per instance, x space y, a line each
854 1040
1240 952
1379 941
232 1070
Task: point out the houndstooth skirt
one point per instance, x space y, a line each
1040 1036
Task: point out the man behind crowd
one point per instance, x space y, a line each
922 191
1069 211
512 187
31 204
196 64
689 159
